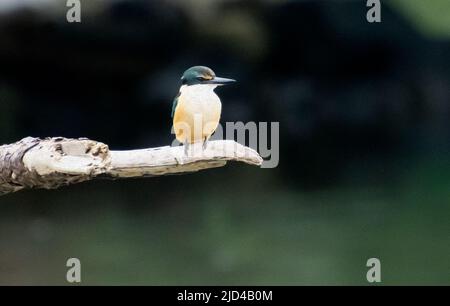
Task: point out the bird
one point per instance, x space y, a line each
196 110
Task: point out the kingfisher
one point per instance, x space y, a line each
196 109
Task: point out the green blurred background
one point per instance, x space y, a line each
364 142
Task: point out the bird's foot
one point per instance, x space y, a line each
205 143
179 158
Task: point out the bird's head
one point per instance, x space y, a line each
203 75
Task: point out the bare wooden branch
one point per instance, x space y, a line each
54 162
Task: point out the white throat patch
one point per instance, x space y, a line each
199 93
198 88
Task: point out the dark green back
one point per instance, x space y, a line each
174 104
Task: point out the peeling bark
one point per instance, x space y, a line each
54 162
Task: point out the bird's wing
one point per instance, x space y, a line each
174 104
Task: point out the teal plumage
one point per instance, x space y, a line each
174 104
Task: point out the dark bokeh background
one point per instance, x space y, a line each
364 141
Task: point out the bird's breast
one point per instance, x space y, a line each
197 113
201 100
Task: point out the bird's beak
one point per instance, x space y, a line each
221 81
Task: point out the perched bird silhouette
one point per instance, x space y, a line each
196 109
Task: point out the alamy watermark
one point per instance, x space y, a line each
74 12
374 273
374 13
263 137
73 275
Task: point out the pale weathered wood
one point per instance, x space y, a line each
54 162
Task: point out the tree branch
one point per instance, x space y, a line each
54 162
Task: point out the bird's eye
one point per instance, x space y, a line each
201 78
